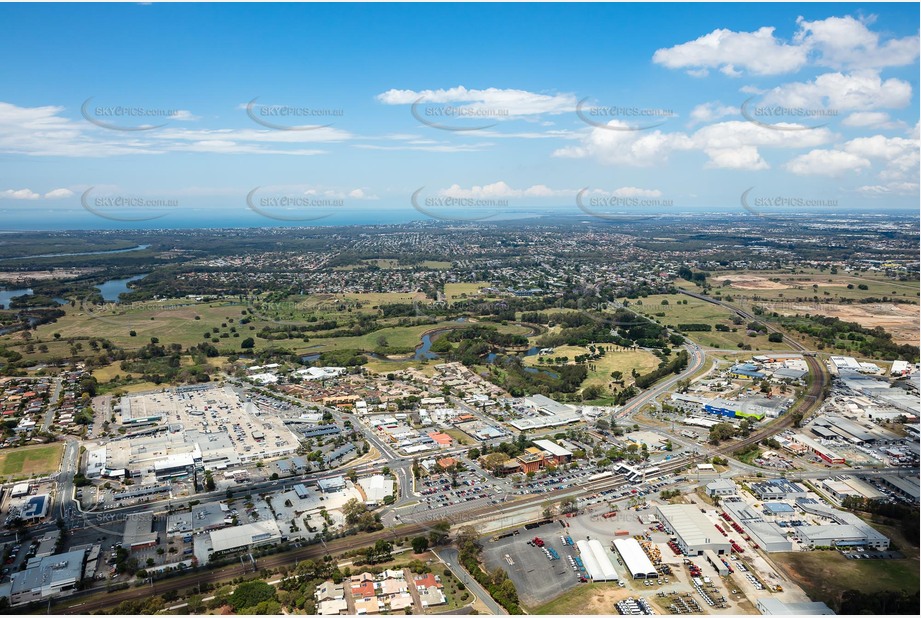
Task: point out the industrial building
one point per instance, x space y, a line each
847 530
770 606
248 535
818 449
51 576
840 487
635 559
717 563
596 561
693 532
768 535
904 487
778 489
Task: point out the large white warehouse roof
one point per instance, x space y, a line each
635 559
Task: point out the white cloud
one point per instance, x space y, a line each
896 188
20 194
501 189
731 144
739 158
59 193
499 102
184 115
710 111
842 42
827 163
838 42
876 120
860 90
758 52
633 192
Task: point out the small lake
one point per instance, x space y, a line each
547 372
113 288
6 296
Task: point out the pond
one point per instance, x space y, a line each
6 296
113 288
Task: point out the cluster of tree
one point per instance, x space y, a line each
497 582
694 327
879 603
676 365
722 431
359 518
833 332
906 516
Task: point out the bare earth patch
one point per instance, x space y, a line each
751 282
899 320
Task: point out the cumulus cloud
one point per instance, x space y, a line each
29 194
860 90
875 120
827 163
758 52
838 42
842 42
731 145
710 111
20 194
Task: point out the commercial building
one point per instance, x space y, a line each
376 488
337 483
201 518
139 531
248 535
35 508
554 451
20 489
693 532
635 559
721 487
50 576
545 412
596 561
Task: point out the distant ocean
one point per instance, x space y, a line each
20 220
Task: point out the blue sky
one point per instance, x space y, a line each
669 106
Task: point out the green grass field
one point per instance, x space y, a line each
701 312
825 575
462 291
31 460
600 375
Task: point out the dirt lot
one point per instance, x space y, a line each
750 282
899 320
